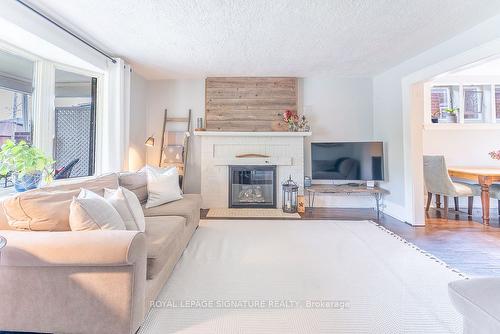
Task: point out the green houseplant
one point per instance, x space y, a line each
452 114
26 164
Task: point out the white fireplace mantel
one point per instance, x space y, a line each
221 149
252 134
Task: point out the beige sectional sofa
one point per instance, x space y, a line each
92 281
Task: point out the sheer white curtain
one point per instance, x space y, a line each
43 106
115 119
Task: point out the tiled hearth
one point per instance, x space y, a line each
219 150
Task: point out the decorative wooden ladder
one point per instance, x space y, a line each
176 148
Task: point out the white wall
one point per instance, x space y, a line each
138 121
390 122
339 109
178 96
463 147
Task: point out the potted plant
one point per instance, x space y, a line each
435 116
451 114
26 164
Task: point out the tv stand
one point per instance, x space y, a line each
346 189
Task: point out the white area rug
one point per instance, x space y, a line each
250 213
260 276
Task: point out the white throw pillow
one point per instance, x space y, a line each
90 211
163 186
128 206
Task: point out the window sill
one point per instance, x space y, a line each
4 192
460 126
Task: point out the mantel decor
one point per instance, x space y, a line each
495 155
295 122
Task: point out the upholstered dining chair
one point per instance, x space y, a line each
438 182
495 194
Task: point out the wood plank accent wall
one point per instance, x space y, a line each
248 103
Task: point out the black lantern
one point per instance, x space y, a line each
290 192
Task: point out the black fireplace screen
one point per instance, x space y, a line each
252 186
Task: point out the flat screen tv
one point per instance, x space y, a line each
352 161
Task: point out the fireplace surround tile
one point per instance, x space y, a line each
219 151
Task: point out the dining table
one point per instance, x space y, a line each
484 176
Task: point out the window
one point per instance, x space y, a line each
443 98
75 123
475 106
16 87
464 103
52 106
440 98
497 103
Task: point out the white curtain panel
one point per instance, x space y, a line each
43 100
115 127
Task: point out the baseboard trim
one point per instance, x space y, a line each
397 211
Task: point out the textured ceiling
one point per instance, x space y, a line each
197 38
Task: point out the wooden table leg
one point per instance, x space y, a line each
438 201
485 183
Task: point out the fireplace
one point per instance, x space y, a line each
252 186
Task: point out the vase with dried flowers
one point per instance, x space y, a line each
294 122
495 155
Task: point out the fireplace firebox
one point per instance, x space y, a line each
252 186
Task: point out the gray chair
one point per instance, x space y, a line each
495 194
438 182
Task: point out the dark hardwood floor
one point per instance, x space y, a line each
462 242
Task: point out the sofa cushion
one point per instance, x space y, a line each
128 206
477 300
47 208
137 183
187 207
163 235
90 211
163 186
